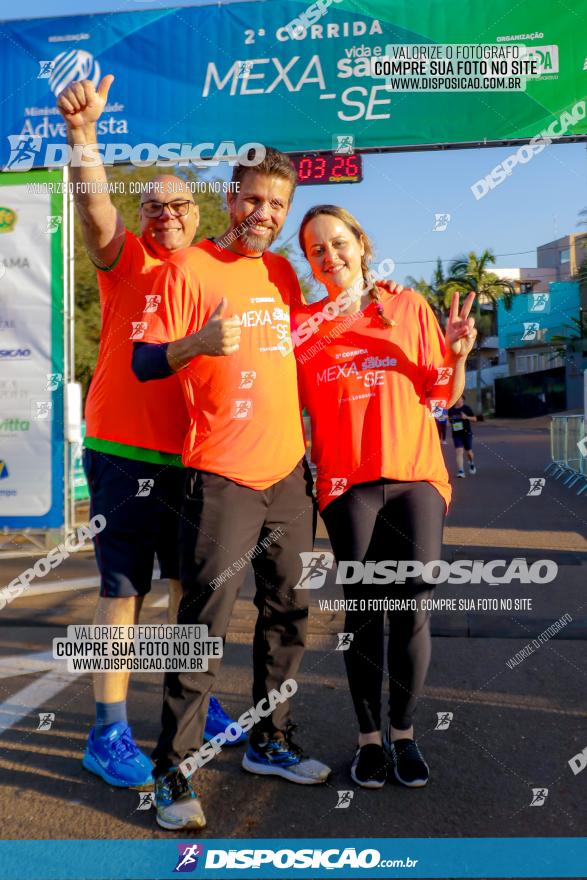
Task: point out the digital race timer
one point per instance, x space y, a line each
328 167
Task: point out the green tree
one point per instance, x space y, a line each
573 341
472 272
436 292
213 221
286 250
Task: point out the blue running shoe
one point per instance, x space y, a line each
115 757
217 722
276 755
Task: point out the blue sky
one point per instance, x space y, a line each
401 192
53 8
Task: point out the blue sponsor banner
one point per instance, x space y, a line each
286 73
367 858
537 317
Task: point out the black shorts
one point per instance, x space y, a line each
463 440
141 502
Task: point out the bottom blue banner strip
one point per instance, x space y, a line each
310 858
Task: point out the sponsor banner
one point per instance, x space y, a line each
31 355
81 490
274 858
236 68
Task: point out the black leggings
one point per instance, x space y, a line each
382 520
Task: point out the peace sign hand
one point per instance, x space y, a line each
460 329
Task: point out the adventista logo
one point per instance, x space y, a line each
7 219
73 66
189 854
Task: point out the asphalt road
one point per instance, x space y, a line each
513 729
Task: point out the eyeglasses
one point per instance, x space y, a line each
176 209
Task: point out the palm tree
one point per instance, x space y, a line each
471 272
574 341
435 293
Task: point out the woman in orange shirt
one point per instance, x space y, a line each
373 369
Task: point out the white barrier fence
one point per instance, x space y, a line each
568 451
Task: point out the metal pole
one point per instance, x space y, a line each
68 347
71 330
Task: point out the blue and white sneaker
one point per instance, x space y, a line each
115 757
276 755
177 804
217 721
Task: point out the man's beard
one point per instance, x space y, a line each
258 243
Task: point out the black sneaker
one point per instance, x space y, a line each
409 767
368 768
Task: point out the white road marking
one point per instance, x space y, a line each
27 664
36 694
43 588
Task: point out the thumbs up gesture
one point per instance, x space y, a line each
80 103
220 335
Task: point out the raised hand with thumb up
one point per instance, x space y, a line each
219 335
81 104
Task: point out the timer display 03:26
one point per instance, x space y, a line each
328 168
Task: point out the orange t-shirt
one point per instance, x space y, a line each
366 387
245 419
119 408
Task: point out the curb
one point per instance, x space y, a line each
484 626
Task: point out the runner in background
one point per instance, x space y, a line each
371 364
134 433
461 416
